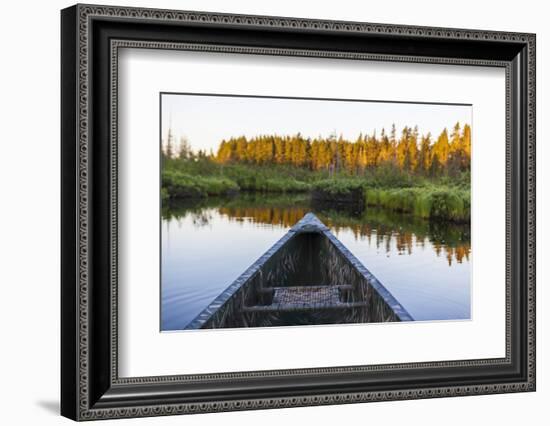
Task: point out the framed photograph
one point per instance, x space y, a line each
263 212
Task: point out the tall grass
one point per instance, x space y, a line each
444 198
181 185
261 183
339 186
178 184
448 203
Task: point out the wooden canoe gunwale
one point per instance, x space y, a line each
308 224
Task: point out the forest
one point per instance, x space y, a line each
406 171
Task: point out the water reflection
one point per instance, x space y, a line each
207 244
379 226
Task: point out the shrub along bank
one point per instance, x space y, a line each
429 200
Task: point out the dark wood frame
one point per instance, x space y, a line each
90 386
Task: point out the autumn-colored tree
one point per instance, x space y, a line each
403 149
393 144
466 145
386 152
412 153
412 146
459 155
424 154
455 142
440 150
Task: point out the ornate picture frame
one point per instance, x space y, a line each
91 37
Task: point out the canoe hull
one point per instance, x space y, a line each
308 259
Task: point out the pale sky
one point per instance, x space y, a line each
207 119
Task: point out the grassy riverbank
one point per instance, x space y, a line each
201 178
178 184
433 202
442 198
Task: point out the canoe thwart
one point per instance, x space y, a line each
305 298
311 307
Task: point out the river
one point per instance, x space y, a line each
206 244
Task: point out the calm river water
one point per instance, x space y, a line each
207 244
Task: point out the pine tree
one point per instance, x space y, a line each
184 152
393 144
455 143
441 149
412 153
169 149
403 149
412 147
424 155
466 145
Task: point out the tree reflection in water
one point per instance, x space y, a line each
377 226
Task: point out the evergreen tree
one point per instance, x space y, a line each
466 145
424 155
441 148
184 152
169 148
393 144
412 153
412 147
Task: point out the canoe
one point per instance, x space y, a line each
308 277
